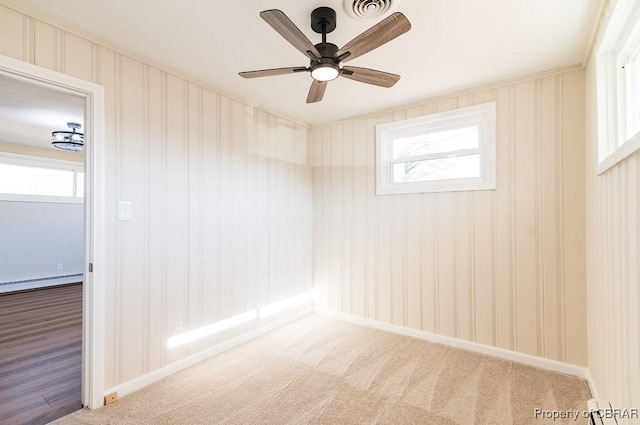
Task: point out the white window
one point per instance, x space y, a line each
448 151
27 178
618 80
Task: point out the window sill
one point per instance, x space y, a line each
421 187
624 151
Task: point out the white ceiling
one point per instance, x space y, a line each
29 113
453 44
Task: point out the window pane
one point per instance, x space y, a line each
80 184
23 180
437 142
458 167
632 71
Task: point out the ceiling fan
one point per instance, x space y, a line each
327 58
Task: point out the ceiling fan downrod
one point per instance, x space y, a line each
326 68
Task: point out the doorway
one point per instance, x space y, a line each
93 266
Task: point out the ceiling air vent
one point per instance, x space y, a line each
369 9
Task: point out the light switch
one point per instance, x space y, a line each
125 211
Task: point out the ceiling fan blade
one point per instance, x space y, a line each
316 91
281 23
271 72
379 34
370 76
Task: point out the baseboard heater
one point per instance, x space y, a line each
24 285
601 413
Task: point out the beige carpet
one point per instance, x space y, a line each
321 371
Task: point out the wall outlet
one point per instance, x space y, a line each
110 398
125 211
59 266
179 327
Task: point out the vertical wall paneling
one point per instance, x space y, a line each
398 255
371 281
78 57
12 42
574 214
347 166
108 76
336 191
613 282
560 204
153 216
525 270
44 56
359 221
499 267
503 216
115 289
414 252
221 194
131 242
193 147
428 311
29 35
549 306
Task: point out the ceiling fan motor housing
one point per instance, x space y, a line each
327 50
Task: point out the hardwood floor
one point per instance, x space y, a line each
40 354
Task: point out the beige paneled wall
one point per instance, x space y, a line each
614 293
221 198
504 268
613 274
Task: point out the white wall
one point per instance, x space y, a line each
35 236
613 258
221 197
504 268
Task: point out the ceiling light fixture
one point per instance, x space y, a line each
69 140
325 72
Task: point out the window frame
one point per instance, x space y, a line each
47 163
620 41
483 115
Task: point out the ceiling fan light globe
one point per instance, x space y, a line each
325 72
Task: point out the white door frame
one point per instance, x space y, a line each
93 312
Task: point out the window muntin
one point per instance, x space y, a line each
448 151
27 178
434 142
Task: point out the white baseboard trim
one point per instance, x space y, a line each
151 377
526 359
40 283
